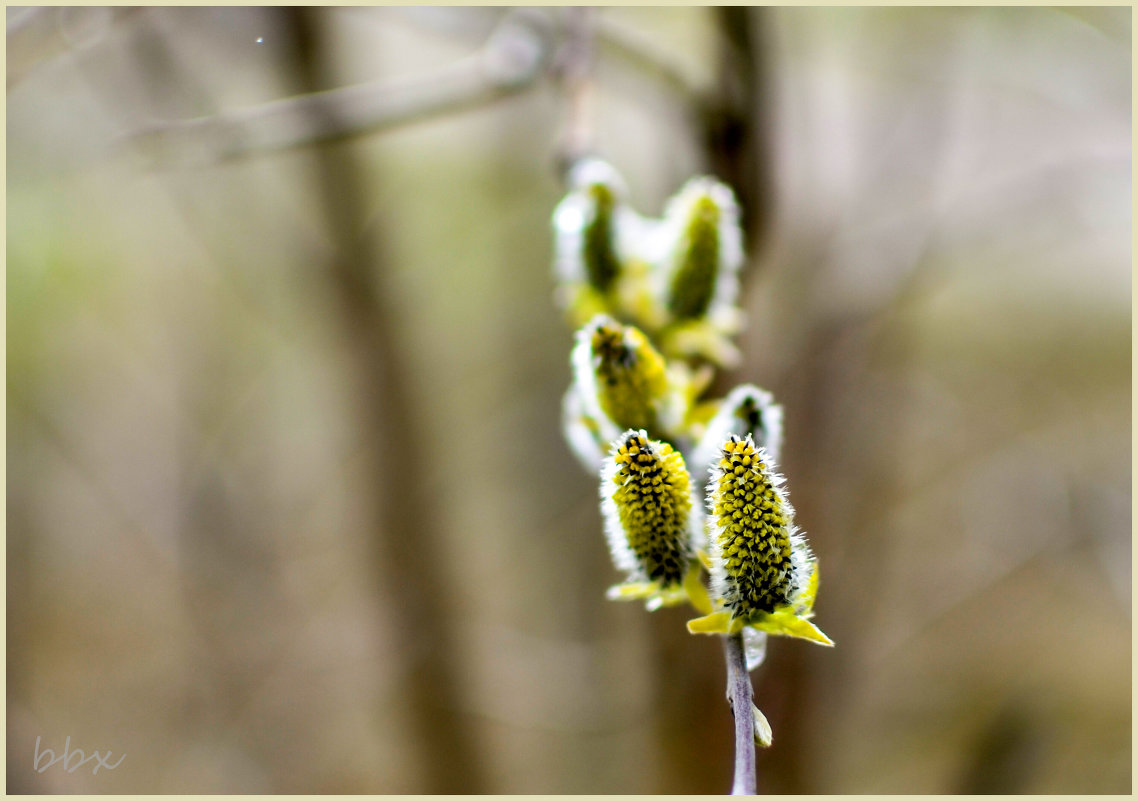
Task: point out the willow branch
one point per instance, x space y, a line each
512 60
740 697
613 38
572 72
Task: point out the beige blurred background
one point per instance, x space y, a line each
289 509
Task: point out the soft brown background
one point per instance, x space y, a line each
289 509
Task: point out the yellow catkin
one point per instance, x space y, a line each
753 533
602 263
646 499
630 376
693 284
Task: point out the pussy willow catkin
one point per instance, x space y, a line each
621 377
759 561
648 510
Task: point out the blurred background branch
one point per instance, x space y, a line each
512 58
520 50
410 559
574 64
735 118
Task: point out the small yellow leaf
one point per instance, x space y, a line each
788 624
632 591
584 303
671 596
634 295
704 559
697 593
700 338
763 734
715 623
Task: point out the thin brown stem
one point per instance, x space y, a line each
572 70
740 697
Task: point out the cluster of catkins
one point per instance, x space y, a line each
686 483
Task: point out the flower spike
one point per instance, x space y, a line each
621 379
697 251
746 410
588 248
751 550
646 499
598 239
705 248
762 573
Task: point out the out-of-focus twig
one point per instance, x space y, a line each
513 58
734 116
409 547
470 24
572 71
611 38
740 696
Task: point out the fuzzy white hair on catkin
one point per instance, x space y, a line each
802 565
671 239
591 171
570 217
583 362
721 583
623 557
726 422
581 439
577 211
697 522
